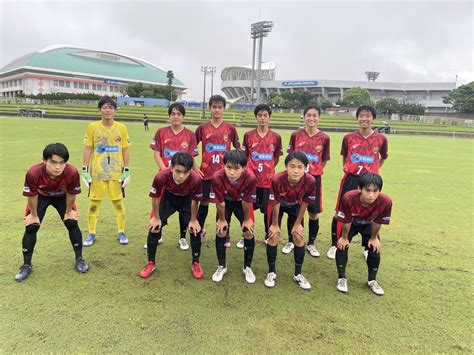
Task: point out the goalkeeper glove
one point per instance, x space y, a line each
125 177
86 177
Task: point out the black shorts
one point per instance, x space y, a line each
291 211
365 231
318 205
59 203
171 203
348 183
261 202
206 189
233 207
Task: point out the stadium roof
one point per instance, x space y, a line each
70 60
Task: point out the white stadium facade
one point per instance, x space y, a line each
236 83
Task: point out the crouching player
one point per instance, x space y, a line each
362 211
291 192
233 190
175 189
51 183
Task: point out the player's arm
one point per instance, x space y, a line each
85 174
374 240
298 228
70 213
343 242
125 177
274 228
247 224
155 222
221 224
158 160
381 161
32 217
193 226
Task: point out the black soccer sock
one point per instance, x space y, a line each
373 262
313 230
299 259
265 223
220 250
183 226
196 247
334 232
202 214
271 257
341 261
152 245
29 242
249 246
75 236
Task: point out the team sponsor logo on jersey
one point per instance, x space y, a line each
311 157
153 190
254 197
212 195
341 214
168 153
355 145
104 148
117 139
271 197
359 158
256 156
153 142
26 189
198 195
167 141
211 148
185 145
312 197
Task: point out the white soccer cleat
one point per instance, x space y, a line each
302 282
270 279
288 248
366 254
312 250
375 287
331 254
183 244
342 285
240 243
219 274
249 275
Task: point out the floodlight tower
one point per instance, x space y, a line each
205 70
258 30
372 75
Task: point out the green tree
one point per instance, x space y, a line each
407 108
356 97
275 99
387 105
325 104
462 98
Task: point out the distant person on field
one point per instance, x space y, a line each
145 122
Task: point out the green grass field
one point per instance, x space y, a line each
426 270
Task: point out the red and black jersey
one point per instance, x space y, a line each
38 182
352 211
243 189
315 147
164 181
283 193
216 141
168 143
362 155
261 155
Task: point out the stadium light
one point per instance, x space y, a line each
258 30
206 69
212 71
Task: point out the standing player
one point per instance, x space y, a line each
175 189
167 142
362 151
291 192
145 122
362 211
216 137
105 170
315 145
233 192
263 148
51 183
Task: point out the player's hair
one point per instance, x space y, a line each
262 107
58 149
368 179
235 158
312 107
107 100
298 155
177 106
216 99
368 108
183 159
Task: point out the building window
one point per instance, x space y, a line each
61 83
55 83
117 89
75 85
81 85
15 83
94 87
20 81
99 87
68 84
86 86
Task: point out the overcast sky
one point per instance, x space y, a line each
406 41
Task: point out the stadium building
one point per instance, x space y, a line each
236 83
69 69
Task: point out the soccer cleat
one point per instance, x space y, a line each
197 270
81 265
366 254
270 279
240 243
249 275
331 254
148 270
302 282
342 285
375 287
183 244
91 238
122 238
288 248
23 273
219 274
312 250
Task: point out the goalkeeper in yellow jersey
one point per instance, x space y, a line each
105 167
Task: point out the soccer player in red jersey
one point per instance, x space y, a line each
362 211
233 192
291 192
175 189
263 148
362 151
216 138
315 144
51 183
170 140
